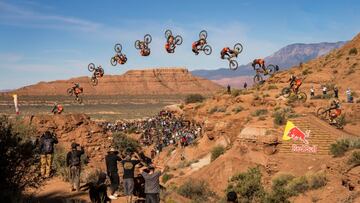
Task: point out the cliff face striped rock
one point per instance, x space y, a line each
134 82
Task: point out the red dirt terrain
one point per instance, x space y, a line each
160 81
252 139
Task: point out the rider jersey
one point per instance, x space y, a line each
195 44
298 82
259 61
59 108
167 46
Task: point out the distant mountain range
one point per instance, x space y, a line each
286 57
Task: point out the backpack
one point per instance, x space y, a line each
75 159
48 147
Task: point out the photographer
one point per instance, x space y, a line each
73 161
47 141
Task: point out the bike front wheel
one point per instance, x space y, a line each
203 34
70 91
238 47
233 64
207 49
178 40
322 113
147 38
137 44
168 33
91 67
94 81
118 48
271 69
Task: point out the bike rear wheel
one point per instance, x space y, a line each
233 64
257 79
113 61
70 91
118 48
322 113
178 40
207 49
238 47
79 100
137 44
147 38
91 67
302 97
271 69
286 92
168 33
203 34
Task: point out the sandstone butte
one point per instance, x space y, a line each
159 81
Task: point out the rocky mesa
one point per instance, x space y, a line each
159 81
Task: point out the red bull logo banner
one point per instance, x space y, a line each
300 139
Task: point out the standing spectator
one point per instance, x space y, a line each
312 91
73 161
98 190
324 90
245 85
336 92
47 141
349 95
228 89
152 184
111 160
129 166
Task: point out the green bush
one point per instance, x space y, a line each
316 180
355 158
59 163
340 147
306 72
196 190
213 110
166 177
194 98
125 143
353 51
272 87
247 185
18 160
216 152
237 109
235 92
259 112
298 185
279 118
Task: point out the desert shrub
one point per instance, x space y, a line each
235 92
259 112
306 72
213 110
266 95
262 118
298 185
194 98
125 143
350 71
355 158
18 160
279 191
237 109
256 97
279 118
353 51
342 120
272 87
316 180
340 147
216 152
247 185
59 163
221 109
166 177
197 190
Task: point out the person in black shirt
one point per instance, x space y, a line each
47 141
129 166
73 161
111 160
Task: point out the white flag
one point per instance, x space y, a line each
16 104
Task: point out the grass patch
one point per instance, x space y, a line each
194 98
279 118
259 112
354 158
124 143
217 109
353 51
272 87
235 92
306 72
237 109
166 177
195 190
217 151
342 146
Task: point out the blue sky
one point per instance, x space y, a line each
47 40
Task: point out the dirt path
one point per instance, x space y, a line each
58 191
